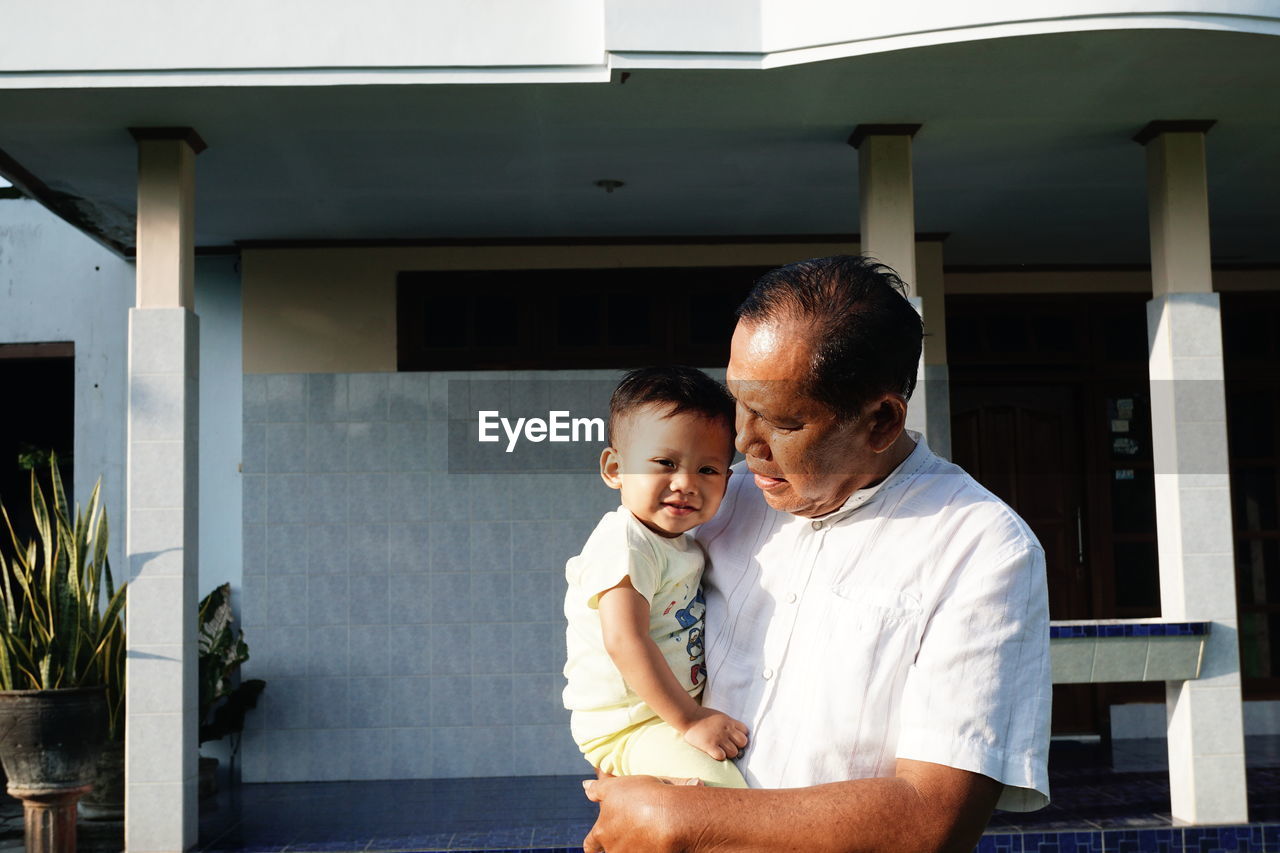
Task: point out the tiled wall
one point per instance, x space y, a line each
407 619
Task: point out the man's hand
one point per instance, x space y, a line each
923 806
716 734
633 815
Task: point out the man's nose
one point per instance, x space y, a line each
748 440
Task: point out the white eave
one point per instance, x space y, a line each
83 44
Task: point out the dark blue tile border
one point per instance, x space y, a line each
1130 629
1249 838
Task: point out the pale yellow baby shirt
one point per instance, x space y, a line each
666 572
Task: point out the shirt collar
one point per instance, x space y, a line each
905 469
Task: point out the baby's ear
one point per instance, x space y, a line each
611 468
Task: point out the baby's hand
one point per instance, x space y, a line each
717 734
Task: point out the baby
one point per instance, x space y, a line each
634 605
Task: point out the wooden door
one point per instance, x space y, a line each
1025 442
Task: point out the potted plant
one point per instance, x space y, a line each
105 802
55 636
224 699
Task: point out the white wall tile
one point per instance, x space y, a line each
286 549
1219 785
156 823
370 702
409 396
328 651
158 749
154 676
286 448
1072 660
326 398
254 406
1119 659
286 398
157 406
367 549
286 499
367 396
409 702
451 700
155 542
1172 658
370 650
410 753
152 615
370 754
326 447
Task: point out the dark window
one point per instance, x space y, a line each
568 318
1250 330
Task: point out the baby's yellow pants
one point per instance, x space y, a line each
653 748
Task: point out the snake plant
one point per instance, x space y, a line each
54 630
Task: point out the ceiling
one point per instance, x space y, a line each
1025 155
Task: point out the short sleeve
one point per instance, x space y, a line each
978 696
626 556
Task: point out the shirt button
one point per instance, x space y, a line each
817 525
768 673
791 598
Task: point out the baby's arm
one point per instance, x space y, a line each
624 621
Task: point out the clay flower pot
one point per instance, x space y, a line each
49 743
106 801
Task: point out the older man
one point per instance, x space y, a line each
877 618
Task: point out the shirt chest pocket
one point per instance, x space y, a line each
863 639
860 608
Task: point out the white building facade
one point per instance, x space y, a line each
330 235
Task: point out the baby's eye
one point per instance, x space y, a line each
665 463
707 469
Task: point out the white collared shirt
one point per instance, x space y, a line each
911 623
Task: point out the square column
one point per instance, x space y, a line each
1192 481
161 710
887 222
935 377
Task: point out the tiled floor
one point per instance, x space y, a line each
1094 789
1103 800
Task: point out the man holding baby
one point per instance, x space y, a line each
877 619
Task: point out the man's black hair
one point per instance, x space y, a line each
866 335
680 389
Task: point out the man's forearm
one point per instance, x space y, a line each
924 808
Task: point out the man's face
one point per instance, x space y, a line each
804 457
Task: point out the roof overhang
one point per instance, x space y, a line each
1024 156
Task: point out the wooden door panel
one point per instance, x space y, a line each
1024 443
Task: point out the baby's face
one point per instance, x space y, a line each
671 469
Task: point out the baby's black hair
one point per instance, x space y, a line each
683 389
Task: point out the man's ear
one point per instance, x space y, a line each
888 418
611 468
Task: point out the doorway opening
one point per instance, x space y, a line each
1050 410
38 383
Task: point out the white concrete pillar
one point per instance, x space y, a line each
161 535
887 222
935 379
1193 495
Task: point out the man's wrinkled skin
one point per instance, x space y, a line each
792 443
923 807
